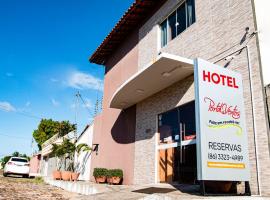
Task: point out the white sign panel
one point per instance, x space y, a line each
222 146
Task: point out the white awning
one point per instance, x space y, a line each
156 76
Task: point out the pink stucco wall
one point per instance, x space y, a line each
114 130
34 164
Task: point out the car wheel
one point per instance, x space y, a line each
5 174
26 176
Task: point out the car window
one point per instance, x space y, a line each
19 160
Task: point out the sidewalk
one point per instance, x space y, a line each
92 191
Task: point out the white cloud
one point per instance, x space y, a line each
54 102
6 106
9 74
80 80
28 103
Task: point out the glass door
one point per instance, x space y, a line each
168 138
177 145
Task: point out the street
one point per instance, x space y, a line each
17 188
22 188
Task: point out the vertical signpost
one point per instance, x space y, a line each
222 145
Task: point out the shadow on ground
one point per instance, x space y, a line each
182 188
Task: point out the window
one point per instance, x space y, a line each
168 124
178 21
19 160
164 33
172 26
178 124
181 19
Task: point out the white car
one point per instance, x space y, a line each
17 166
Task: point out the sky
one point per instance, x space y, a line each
262 13
44 51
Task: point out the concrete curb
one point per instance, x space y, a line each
77 187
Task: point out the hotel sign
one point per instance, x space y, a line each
222 145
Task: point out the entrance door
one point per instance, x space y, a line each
169 133
166 168
177 148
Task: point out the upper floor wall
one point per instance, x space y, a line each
219 29
122 64
219 26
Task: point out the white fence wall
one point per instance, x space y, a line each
83 160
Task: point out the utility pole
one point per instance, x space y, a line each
78 95
32 146
96 108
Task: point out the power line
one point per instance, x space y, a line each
26 114
29 115
80 96
244 42
13 136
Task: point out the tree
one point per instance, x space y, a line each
58 152
4 161
16 154
65 153
48 128
66 127
83 147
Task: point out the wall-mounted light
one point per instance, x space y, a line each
166 74
169 73
140 90
95 148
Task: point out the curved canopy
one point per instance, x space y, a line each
165 70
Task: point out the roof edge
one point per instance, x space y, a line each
135 14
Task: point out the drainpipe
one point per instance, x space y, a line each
267 107
253 111
253 119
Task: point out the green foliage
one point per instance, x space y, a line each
4 161
98 172
16 154
83 147
64 151
48 128
57 151
115 173
68 146
69 149
66 127
38 180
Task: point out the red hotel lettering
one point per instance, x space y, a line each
219 79
222 108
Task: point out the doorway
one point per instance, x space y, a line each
177 145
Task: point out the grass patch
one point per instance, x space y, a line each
38 180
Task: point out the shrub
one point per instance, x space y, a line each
98 172
115 173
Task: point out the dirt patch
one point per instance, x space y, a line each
29 189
